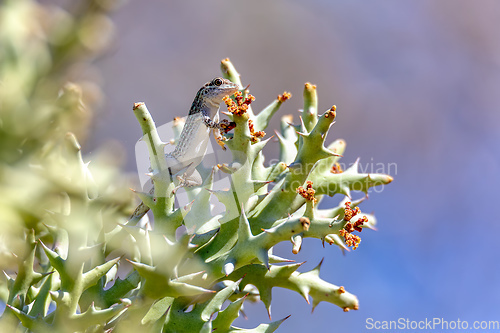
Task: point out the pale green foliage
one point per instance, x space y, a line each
72 261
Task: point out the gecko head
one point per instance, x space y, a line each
218 88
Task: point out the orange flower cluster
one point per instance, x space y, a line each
355 307
349 213
286 96
349 227
336 168
308 192
331 112
309 86
255 136
241 105
350 239
238 108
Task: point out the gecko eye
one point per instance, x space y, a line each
217 82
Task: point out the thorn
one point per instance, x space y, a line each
244 314
11 307
331 153
321 262
191 238
188 205
301 134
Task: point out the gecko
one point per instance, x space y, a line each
193 141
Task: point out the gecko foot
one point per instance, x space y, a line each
226 125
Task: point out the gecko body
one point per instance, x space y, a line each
193 141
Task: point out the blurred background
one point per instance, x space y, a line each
416 84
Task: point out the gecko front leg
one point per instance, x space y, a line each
223 125
219 127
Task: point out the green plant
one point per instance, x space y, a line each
71 259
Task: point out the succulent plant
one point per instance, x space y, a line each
72 260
